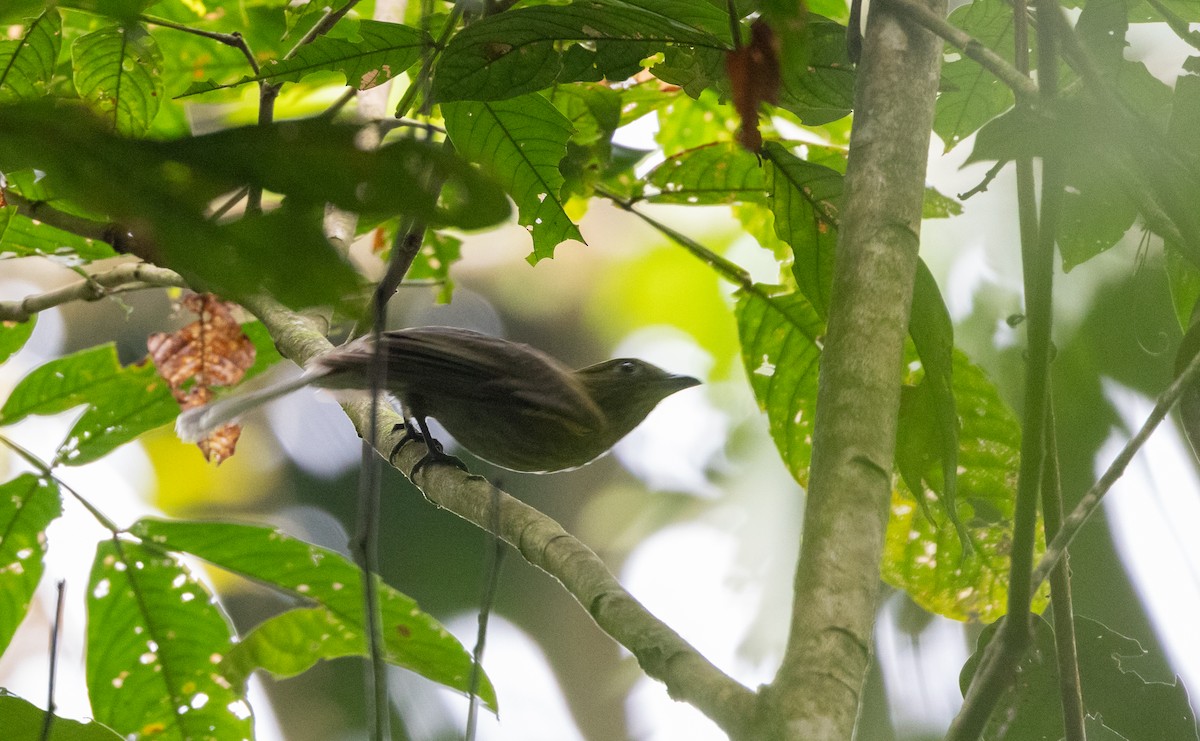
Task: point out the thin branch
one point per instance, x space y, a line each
421 80
235 39
47 471
662 653
730 271
321 27
55 630
1022 86
1090 502
1004 653
1070 687
126 277
987 180
491 578
1177 24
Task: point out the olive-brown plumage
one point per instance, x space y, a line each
508 403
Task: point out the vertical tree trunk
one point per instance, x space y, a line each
816 695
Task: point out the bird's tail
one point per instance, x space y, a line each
198 423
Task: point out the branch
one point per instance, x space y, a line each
132 276
1022 86
817 692
660 651
1090 502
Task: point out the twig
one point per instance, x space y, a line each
1090 502
486 601
127 277
47 471
987 180
235 39
1070 687
55 628
1021 85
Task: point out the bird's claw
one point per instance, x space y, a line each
433 454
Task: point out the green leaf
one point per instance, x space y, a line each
60 384
165 188
925 556
520 141
781 347
804 198
817 82
381 51
1096 730
27 507
716 173
134 401
14 335
155 638
23 722
295 640
971 96
27 63
118 73
932 334
594 113
122 10
21 236
1183 277
522 50
122 402
1132 707
816 77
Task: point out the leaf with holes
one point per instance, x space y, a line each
118 73
520 142
155 637
412 638
28 505
27 62
781 348
381 51
527 49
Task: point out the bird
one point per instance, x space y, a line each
508 403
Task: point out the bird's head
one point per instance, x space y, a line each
627 389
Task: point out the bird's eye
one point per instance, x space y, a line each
627 367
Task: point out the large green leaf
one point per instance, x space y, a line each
293 641
122 403
971 96
155 637
381 51
924 552
932 333
1132 707
716 173
164 190
27 63
520 141
23 722
781 349
805 198
118 73
522 50
27 507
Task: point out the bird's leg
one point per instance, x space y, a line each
434 452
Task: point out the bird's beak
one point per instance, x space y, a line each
679 383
